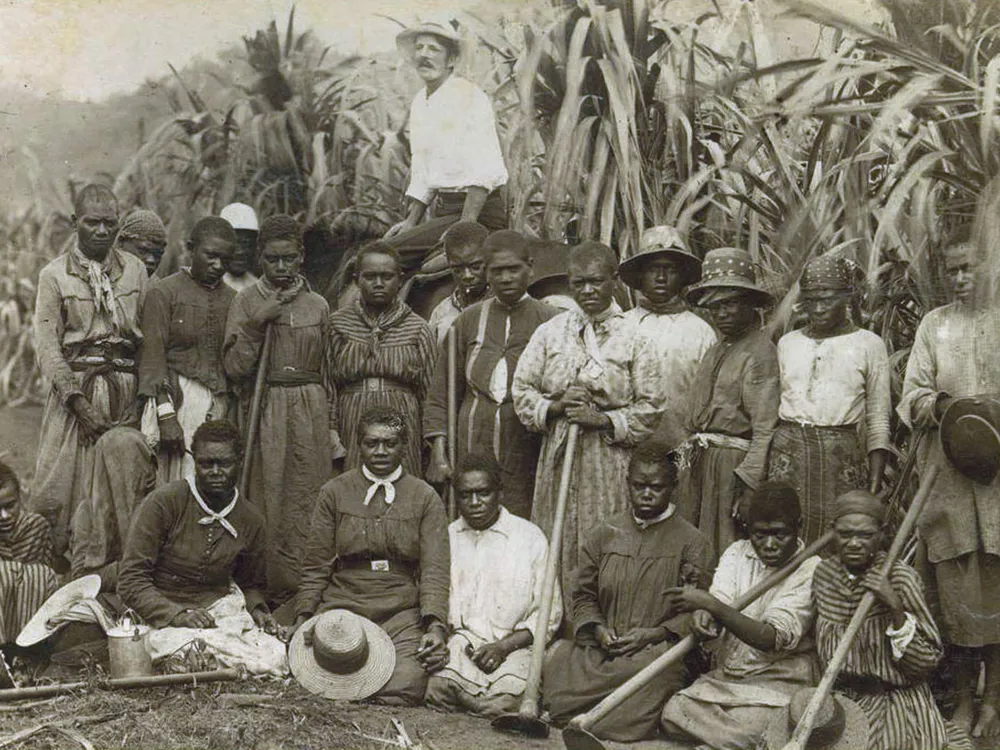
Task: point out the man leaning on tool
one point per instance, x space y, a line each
456 165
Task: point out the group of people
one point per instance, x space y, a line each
243 468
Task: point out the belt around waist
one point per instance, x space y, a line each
819 427
373 385
88 363
380 565
290 378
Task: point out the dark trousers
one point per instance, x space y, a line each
415 245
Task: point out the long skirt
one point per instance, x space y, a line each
821 463
576 678
291 461
65 463
968 592
598 489
198 406
24 587
353 402
711 493
124 473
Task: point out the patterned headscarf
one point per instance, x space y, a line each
827 272
142 224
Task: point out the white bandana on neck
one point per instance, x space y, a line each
212 516
385 483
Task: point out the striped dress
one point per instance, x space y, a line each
893 693
26 578
380 361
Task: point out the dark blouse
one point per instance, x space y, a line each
172 563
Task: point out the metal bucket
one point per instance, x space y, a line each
127 651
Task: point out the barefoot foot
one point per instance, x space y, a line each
988 724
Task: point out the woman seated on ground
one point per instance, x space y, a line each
378 546
765 653
899 644
194 565
622 616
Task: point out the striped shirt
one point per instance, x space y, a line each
30 541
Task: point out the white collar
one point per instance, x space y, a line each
645 523
499 526
212 516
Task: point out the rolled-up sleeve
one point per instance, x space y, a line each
791 611
878 401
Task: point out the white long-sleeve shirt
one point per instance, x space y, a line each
453 141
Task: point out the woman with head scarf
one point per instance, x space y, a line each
834 399
294 452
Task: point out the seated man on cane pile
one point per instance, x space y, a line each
194 563
463 247
765 653
623 617
898 646
378 547
497 572
456 163
26 575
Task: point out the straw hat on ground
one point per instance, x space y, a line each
840 725
350 657
38 627
660 242
970 437
728 269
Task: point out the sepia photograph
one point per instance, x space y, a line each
500 374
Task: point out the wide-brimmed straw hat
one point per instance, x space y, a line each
407 38
38 627
729 268
970 437
660 242
350 657
841 724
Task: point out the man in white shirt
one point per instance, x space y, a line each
456 164
497 571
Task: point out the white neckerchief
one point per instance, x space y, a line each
385 483
645 523
212 516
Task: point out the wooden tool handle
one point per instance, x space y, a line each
121 683
253 423
529 704
808 720
681 648
452 418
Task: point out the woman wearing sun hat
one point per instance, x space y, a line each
734 398
456 163
659 272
